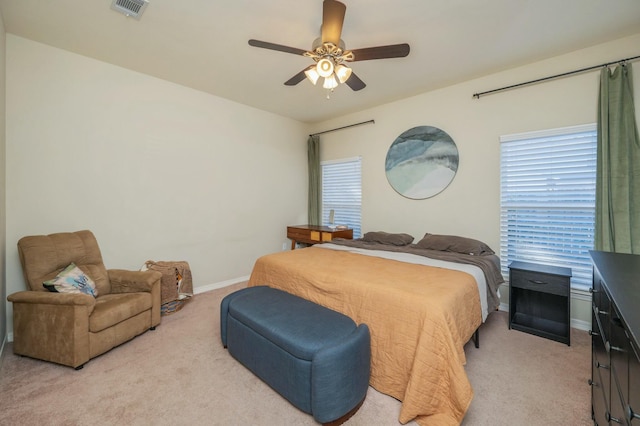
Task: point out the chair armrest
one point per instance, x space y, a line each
52 326
123 281
51 298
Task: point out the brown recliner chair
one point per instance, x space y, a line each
72 328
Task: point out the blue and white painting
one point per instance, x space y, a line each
421 162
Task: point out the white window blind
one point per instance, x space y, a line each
547 199
342 193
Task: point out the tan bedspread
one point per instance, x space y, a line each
419 316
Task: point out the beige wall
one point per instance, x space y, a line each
155 170
159 171
3 276
470 206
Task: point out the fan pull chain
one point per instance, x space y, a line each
329 92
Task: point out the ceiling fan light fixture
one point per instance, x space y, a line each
325 67
330 82
328 52
343 73
312 75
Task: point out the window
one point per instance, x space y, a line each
342 193
547 199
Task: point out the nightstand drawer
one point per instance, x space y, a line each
298 233
544 283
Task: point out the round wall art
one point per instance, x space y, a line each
421 162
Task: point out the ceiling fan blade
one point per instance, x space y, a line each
298 77
332 19
278 47
381 52
355 83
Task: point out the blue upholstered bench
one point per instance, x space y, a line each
316 358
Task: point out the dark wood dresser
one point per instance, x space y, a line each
615 338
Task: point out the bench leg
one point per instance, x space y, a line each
476 337
341 420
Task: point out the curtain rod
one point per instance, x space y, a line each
526 83
343 127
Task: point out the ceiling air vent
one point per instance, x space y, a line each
133 8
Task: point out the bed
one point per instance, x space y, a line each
422 303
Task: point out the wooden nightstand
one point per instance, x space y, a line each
312 234
539 300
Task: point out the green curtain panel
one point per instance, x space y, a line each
618 170
313 153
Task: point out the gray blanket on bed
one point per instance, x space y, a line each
490 264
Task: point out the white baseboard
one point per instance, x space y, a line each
4 342
10 337
215 286
575 323
580 324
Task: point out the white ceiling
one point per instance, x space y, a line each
203 43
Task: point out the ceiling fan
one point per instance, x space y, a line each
329 53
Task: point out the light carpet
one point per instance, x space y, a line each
180 374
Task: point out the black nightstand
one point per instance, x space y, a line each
539 300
